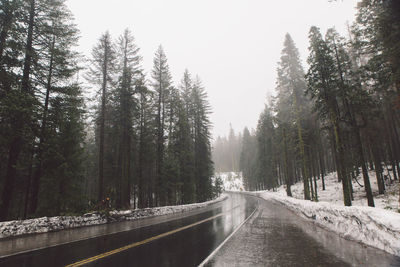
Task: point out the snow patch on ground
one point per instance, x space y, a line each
377 227
372 226
48 224
232 181
334 192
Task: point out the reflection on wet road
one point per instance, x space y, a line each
175 242
274 236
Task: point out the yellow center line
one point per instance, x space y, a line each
111 252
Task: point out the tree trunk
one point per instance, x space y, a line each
302 152
287 168
160 140
322 166
102 125
311 174
315 171
378 167
367 184
141 189
28 186
341 162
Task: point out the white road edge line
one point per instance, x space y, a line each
226 239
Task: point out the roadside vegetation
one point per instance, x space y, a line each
138 141
340 115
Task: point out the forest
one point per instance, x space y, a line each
226 152
80 133
341 114
138 142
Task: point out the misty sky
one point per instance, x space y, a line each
233 45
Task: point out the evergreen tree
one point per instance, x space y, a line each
38 65
146 146
149 146
55 69
267 150
376 39
171 168
184 142
226 152
248 163
129 69
322 84
202 147
292 110
354 100
101 73
161 84
61 191
22 113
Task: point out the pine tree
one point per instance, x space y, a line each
202 147
12 12
23 113
248 165
376 41
266 152
57 65
291 107
354 100
101 72
161 84
61 190
322 82
129 69
185 143
226 152
38 64
171 167
146 146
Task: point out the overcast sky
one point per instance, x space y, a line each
233 45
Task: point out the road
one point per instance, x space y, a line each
172 240
275 236
272 236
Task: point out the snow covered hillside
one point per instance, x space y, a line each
232 181
334 192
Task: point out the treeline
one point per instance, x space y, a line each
226 152
148 143
341 115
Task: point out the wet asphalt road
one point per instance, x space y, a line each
186 247
273 236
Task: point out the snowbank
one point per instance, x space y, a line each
48 224
374 227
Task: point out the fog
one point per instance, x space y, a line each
233 45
